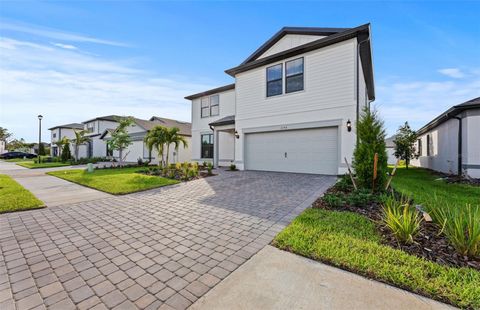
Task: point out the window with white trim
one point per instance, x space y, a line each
205 106
207 146
214 105
275 80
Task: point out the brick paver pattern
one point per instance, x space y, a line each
157 249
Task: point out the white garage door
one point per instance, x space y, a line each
304 151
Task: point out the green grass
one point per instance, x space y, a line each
350 241
16 160
32 165
420 184
114 181
13 197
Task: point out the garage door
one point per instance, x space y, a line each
304 151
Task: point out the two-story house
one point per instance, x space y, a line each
293 106
94 128
57 133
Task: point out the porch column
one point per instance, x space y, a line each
215 147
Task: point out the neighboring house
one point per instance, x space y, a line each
293 106
3 147
59 132
450 143
94 128
391 158
138 149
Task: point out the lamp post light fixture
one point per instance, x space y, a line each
349 125
39 135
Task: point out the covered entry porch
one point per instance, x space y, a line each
223 141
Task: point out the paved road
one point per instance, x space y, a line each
51 190
162 248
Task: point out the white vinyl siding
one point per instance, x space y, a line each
302 151
290 41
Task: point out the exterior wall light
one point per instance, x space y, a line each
349 125
237 135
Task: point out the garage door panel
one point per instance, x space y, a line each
308 151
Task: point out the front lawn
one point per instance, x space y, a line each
114 181
13 197
33 165
16 160
420 184
350 241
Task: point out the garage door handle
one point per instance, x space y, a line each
285 154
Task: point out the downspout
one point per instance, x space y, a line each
358 79
459 144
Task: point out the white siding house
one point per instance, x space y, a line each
292 103
450 143
138 150
97 147
63 131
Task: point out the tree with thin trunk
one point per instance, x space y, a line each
120 139
156 138
60 143
80 139
4 134
173 137
404 141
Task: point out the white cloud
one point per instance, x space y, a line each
65 46
54 33
418 102
452 72
67 86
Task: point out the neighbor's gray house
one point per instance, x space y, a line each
59 132
390 145
450 143
293 105
138 149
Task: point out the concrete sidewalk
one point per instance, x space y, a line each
51 190
274 279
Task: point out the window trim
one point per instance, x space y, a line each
294 75
212 143
202 107
276 80
419 145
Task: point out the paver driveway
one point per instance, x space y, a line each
157 249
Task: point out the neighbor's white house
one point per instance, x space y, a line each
450 143
59 132
293 106
138 149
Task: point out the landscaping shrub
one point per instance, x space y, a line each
93 160
371 140
66 154
233 167
140 161
361 197
209 169
401 218
461 226
344 183
334 200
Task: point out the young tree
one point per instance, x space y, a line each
66 154
156 138
371 140
16 144
173 137
120 139
80 139
405 144
60 143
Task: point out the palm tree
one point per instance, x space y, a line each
60 143
120 139
80 139
173 137
156 137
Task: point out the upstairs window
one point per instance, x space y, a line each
54 135
205 107
207 146
90 127
274 80
294 75
214 101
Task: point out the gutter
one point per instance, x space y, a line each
358 78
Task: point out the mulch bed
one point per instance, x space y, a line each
428 244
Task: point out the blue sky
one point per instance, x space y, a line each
71 61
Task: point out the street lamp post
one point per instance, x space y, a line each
39 135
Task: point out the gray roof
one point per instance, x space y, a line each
227 120
211 91
71 126
361 33
453 111
389 141
111 118
185 127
